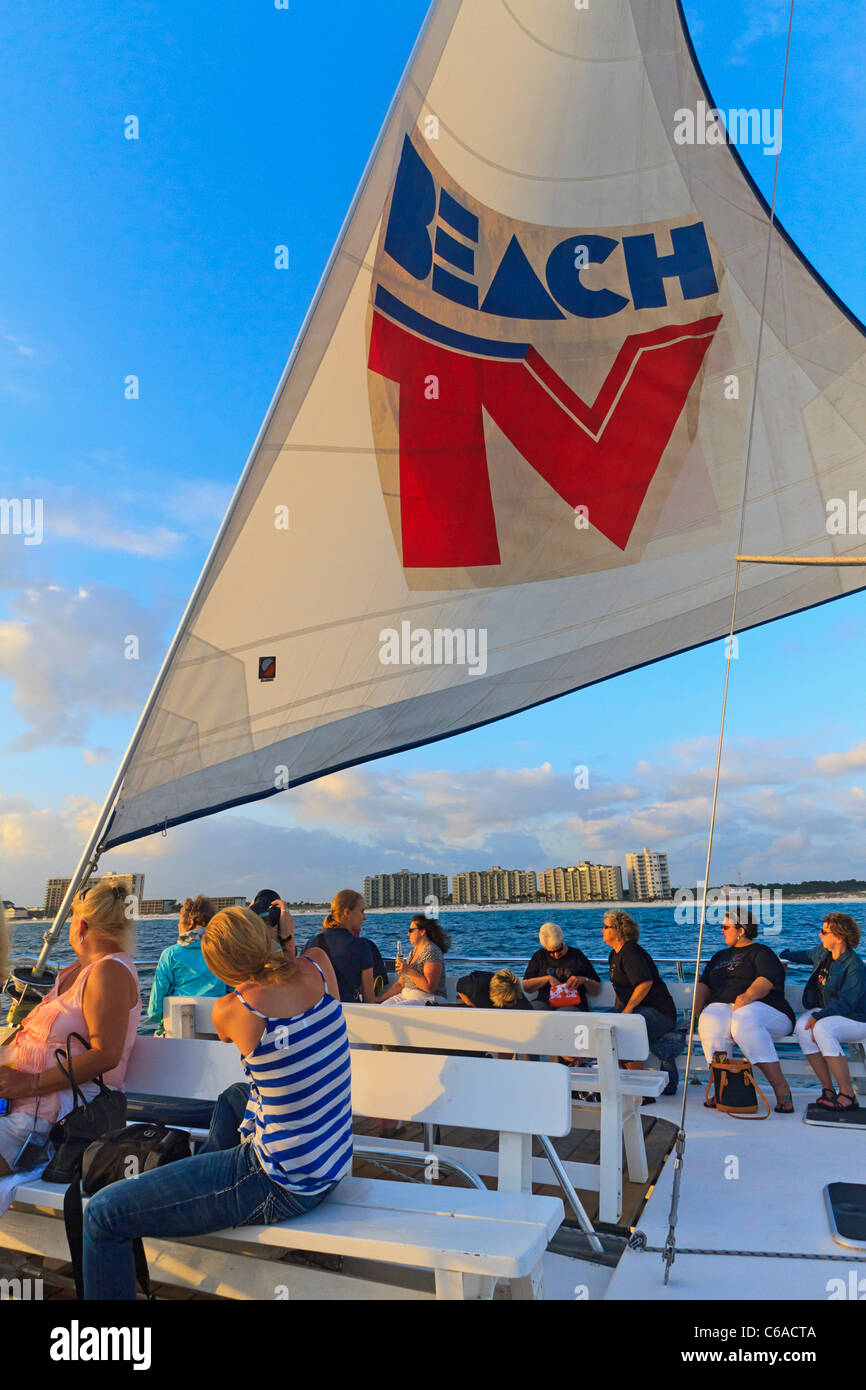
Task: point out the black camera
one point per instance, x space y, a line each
266 905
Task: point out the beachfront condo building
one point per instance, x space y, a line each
55 888
648 876
495 885
157 907
582 883
404 889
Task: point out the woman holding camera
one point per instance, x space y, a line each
294 1143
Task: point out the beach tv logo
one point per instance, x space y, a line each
485 335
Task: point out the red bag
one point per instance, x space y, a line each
563 997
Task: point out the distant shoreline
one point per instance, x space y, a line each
608 906
493 907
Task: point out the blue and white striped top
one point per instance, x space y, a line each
299 1114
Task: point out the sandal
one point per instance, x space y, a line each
785 1105
827 1099
843 1095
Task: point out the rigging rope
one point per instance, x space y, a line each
669 1250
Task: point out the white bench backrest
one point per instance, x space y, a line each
475 1092
536 1032
520 1097
194 1068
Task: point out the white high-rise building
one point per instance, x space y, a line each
404 889
648 876
582 882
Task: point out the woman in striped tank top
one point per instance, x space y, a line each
295 1141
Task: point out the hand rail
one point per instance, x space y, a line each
678 961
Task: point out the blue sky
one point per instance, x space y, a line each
155 257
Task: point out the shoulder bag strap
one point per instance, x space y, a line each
73 1219
64 1062
759 1092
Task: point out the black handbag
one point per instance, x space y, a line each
813 989
88 1120
124 1153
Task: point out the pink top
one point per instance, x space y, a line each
49 1025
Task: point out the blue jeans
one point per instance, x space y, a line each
222 1186
657 1023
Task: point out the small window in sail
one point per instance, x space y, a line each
267 668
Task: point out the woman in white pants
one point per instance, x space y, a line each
740 999
840 977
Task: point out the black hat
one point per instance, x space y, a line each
262 901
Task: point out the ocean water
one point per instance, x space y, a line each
510 937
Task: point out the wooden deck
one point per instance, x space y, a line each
581 1146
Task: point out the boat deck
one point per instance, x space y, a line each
580 1146
747 1185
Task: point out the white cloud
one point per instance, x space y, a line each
64 653
21 349
836 764
101 531
788 822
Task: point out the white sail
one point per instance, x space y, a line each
506 458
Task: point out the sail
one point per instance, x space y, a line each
507 456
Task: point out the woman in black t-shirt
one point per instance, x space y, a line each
558 964
638 987
741 999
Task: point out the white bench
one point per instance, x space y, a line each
609 1038
468 1239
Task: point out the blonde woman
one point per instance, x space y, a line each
639 988
97 997
181 968
482 989
295 1140
349 954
